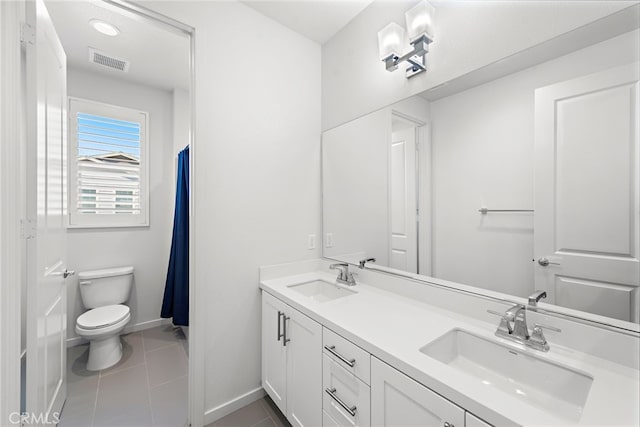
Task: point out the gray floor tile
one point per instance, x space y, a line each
77 364
79 407
166 364
169 403
277 417
132 353
123 399
121 395
267 422
248 416
162 336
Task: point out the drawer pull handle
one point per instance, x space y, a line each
332 392
332 349
285 340
280 314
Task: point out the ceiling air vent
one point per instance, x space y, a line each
109 61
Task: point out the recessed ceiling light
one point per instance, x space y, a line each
104 27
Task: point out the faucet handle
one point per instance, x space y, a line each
495 313
550 328
505 321
338 265
351 279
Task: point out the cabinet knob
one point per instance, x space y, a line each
448 424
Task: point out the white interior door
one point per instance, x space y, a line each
587 193
403 239
46 207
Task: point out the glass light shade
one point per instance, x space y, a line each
390 40
420 21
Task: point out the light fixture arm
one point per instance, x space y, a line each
417 57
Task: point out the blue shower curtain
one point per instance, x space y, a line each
176 291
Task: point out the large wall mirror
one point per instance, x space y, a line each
527 181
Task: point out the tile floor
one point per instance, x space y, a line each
261 413
147 388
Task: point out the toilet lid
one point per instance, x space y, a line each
103 316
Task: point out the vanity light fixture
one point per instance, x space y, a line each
391 40
104 27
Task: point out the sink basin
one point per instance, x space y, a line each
321 291
547 385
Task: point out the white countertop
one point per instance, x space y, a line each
393 328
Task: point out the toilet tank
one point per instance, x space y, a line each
105 287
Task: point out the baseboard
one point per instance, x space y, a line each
74 341
220 411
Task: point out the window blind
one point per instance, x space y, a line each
108 165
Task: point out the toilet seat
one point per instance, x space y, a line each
102 317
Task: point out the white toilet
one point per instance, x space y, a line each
103 292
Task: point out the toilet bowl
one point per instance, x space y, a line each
102 327
103 292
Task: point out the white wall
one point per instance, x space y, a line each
256 173
355 188
181 119
145 248
468 35
482 147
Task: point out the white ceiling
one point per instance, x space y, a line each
317 20
158 57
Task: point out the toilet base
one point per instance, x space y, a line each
104 353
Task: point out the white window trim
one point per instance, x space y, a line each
75 220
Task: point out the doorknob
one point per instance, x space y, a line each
66 273
545 262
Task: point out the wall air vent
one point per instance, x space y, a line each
109 61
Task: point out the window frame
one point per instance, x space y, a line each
78 220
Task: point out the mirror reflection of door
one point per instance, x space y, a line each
586 233
403 213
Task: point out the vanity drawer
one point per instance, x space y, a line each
471 420
340 387
345 353
327 421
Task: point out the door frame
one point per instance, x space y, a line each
197 307
14 230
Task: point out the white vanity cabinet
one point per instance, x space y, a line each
397 400
346 398
292 362
473 421
319 378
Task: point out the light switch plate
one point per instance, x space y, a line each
328 243
311 241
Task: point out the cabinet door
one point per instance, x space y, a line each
304 370
274 353
397 400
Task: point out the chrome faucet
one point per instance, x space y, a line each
535 298
513 326
364 261
344 276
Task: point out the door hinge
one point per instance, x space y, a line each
27 228
27 34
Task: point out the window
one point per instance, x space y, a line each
108 167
